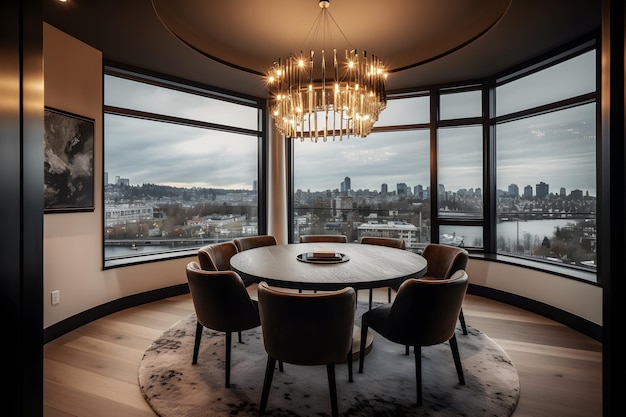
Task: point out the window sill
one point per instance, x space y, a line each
575 273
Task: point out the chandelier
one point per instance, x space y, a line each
325 94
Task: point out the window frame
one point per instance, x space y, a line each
184 86
488 121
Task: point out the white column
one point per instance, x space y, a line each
277 186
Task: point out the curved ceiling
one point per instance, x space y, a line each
254 33
251 34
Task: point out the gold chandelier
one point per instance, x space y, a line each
324 96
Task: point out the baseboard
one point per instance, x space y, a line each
71 323
570 320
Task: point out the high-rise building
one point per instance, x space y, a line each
347 184
528 191
383 188
542 190
513 191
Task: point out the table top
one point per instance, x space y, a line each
369 266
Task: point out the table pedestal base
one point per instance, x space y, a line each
356 342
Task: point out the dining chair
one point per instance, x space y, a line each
221 303
391 242
323 238
249 242
216 257
443 261
424 313
307 330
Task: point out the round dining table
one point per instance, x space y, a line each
359 266
355 265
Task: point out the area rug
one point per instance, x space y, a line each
175 388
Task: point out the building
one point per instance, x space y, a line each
23 222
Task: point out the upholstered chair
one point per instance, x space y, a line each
216 257
308 330
391 242
323 238
443 261
222 303
245 243
423 313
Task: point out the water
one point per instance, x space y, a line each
509 230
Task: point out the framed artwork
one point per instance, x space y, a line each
68 162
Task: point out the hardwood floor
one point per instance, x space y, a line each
92 371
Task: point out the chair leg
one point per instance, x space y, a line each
196 343
417 351
240 339
350 379
280 366
406 350
371 297
457 359
330 370
267 383
388 294
462 320
362 347
228 344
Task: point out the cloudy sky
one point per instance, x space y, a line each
559 152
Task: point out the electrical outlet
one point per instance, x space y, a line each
56 294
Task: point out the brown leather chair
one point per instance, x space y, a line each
245 243
391 242
323 238
424 313
221 303
307 329
443 261
216 257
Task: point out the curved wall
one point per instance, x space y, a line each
73 241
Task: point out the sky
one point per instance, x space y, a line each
559 151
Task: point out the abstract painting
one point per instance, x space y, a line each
68 162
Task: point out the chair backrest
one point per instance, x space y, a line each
425 312
392 242
221 300
216 257
307 328
245 243
324 238
444 260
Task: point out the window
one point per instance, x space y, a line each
570 78
460 105
546 164
460 172
538 175
181 168
546 170
374 186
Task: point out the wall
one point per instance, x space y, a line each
575 297
73 241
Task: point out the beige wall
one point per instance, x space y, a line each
73 241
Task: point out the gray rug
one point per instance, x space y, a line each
175 388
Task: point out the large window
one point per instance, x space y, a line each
546 164
373 186
181 168
514 175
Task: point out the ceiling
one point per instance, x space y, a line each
230 44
